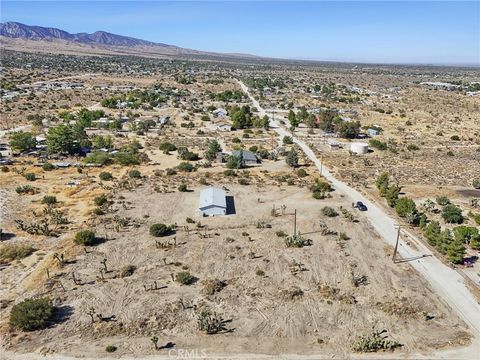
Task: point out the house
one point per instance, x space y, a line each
164 120
373 132
212 202
223 126
249 158
220 112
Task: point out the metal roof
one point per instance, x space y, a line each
212 196
247 155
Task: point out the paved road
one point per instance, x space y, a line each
446 282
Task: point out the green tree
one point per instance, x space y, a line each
100 142
292 158
406 208
213 149
22 141
61 140
452 214
466 234
292 119
455 252
432 233
391 195
382 183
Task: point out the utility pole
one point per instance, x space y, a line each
396 243
295 223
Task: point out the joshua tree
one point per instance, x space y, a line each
104 263
154 340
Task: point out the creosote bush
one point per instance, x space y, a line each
32 314
85 237
48 166
100 200
111 348
328 211
159 230
49 200
135 174
30 176
184 278
105 176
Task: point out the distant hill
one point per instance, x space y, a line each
17 36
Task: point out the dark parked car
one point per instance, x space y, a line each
361 206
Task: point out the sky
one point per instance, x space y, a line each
433 32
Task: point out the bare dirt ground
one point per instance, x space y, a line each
317 310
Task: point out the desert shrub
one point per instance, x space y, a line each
259 272
302 173
476 184
127 271
229 172
4 169
210 322
185 167
135 174
166 147
343 236
14 252
287 140
25 189
49 200
48 166
328 211
159 230
210 287
100 200
450 153
374 341
442 200
32 314
292 158
111 348
452 214
243 181
455 138
85 237
30 176
98 157
105 176
412 147
297 241
171 172
184 278
183 188
319 188
98 211
377 144
189 220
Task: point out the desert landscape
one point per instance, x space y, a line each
325 177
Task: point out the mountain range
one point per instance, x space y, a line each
17 36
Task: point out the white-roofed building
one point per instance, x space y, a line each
212 202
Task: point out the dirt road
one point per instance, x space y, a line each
446 282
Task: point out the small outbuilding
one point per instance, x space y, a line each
359 148
212 202
248 157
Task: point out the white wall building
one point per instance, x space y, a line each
212 202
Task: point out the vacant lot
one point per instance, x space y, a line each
276 299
